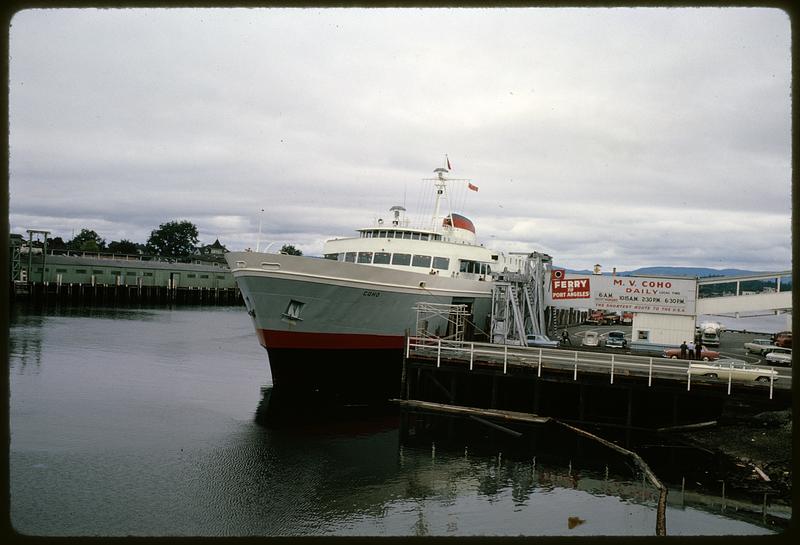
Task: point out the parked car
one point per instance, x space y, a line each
541 341
591 338
759 346
780 356
783 339
616 339
735 369
705 354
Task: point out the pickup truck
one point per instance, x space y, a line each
783 339
601 317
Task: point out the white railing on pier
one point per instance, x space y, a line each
587 362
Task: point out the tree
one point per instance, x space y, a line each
123 246
57 243
173 239
87 241
291 250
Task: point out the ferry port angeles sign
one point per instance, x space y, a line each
573 288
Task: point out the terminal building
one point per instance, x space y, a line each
665 308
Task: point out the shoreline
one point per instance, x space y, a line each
760 443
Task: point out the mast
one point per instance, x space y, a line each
441 190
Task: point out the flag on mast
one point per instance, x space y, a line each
448 162
472 187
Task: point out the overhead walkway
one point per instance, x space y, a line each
739 302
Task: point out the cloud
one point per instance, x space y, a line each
635 136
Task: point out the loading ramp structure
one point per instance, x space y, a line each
518 302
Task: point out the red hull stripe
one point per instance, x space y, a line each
328 341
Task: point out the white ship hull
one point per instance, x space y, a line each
339 327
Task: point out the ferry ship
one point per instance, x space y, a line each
336 325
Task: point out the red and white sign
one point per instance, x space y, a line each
574 288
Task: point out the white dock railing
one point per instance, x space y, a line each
587 362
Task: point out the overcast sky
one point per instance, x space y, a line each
624 137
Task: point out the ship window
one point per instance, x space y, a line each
407 234
293 310
350 257
97 271
415 236
382 234
332 257
401 259
187 276
80 271
61 270
424 236
464 267
421 261
441 263
203 276
151 274
398 234
382 257
365 257
483 268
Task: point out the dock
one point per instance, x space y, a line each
598 388
122 280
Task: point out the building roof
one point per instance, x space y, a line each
128 263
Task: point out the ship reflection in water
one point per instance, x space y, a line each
379 470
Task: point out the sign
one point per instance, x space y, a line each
654 295
563 288
647 294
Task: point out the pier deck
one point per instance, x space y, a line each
590 386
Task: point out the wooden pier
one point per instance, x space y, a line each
599 388
113 295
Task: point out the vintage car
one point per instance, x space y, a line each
706 354
780 356
759 346
616 339
783 339
541 341
591 338
735 369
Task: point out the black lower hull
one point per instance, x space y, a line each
345 375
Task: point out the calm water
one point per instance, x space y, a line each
163 422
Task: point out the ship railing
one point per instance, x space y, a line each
578 362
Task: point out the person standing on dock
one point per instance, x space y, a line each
684 349
565 338
698 349
690 346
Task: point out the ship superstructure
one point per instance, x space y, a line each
338 324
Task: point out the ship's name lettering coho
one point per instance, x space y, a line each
370 293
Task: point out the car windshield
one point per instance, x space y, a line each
616 334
